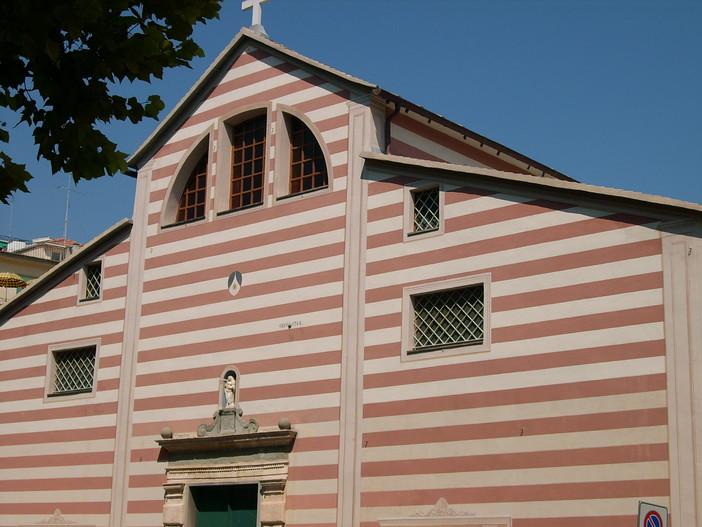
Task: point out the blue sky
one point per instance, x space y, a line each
608 92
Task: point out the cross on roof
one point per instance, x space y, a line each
255 5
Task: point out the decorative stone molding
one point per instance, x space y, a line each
272 508
255 440
57 519
248 471
442 509
228 453
441 515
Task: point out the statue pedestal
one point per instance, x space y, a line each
228 421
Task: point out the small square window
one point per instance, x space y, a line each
92 281
72 371
423 211
426 210
448 317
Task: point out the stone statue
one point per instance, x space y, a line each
227 419
229 391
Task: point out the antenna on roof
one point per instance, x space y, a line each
11 199
255 6
68 204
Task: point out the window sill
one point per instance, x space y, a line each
184 222
419 233
69 396
240 209
68 393
90 300
423 235
303 193
445 351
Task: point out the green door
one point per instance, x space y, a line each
226 505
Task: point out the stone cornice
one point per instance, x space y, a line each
230 443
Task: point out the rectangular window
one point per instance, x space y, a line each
450 316
72 371
248 163
92 281
426 210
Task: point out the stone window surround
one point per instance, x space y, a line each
83 282
51 368
169 211
409 234
408 317
217 140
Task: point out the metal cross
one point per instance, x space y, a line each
256 6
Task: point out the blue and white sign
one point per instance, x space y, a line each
652 515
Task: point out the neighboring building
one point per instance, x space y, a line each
31 258
427 327
54 249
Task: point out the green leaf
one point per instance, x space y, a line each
59 78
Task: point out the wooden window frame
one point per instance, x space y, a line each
294 130
247 181
199 149
306 156
193 200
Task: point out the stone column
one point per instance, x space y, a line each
272 509
174 508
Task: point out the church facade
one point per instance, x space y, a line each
333 307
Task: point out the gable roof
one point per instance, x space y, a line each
247 37
57 274
217 69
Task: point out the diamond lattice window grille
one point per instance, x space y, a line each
426 210
74 370
449 318
93 275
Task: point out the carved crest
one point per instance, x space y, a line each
442 509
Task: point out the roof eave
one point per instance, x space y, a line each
467 133
670 207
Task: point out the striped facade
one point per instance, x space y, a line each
60 453
579 405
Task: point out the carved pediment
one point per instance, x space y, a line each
57 519
441 515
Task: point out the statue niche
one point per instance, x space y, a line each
227 419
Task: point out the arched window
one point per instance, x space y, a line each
308 170
248 163
188 189
192 201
